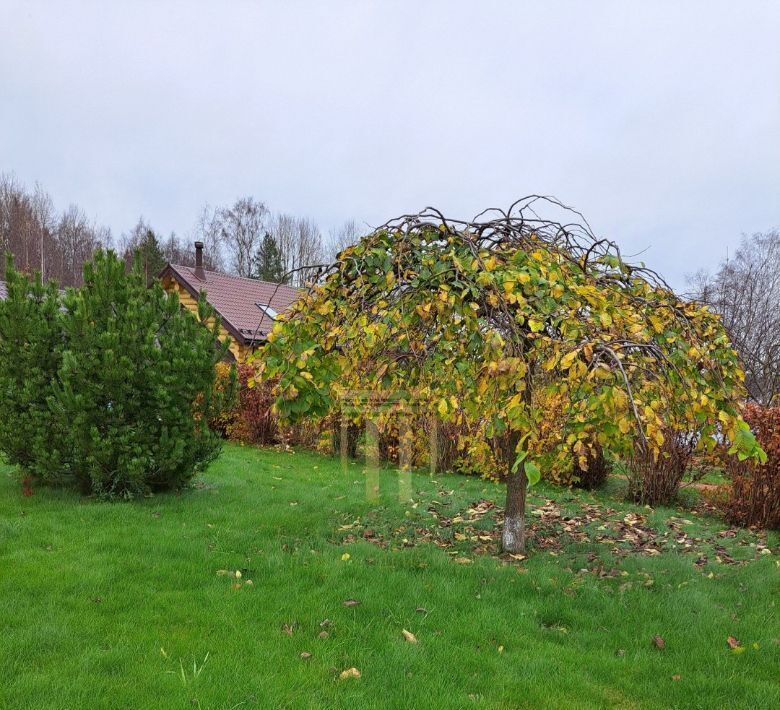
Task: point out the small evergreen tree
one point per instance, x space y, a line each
148 255
124 382
268 261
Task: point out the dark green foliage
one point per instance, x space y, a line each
122 383
147 256
30 356
268 261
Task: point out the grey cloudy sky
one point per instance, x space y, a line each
659 120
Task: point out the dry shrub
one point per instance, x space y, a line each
753 496
251 420
655 481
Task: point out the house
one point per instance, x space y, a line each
247 307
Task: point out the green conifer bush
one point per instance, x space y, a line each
109 387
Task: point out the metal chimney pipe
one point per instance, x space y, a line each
199 272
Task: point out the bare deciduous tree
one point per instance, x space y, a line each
239 229
346 235
745 291
77 240
300 243
39 240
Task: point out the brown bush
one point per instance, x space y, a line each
753 495
656 481
251 420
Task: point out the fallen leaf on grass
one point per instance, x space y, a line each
305 655
733 642
676 676
287 629
462 560
658 642
351 602
349 673
345 557
323 635
409 636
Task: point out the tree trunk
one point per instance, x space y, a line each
513 534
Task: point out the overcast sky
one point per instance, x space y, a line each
660 121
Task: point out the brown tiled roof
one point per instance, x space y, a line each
235 299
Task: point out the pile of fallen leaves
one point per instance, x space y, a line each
475 530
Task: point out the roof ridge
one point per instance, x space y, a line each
236 277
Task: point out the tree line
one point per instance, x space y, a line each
248 239
245 239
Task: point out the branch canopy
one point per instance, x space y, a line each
483 321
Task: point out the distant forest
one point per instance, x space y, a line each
244 238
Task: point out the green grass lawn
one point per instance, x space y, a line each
127 605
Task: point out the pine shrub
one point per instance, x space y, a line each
121 383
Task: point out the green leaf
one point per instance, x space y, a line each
532 473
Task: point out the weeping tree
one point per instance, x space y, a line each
484 321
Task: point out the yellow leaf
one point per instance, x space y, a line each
536 326
624 425
657 323
349 673
409 636
345 557
568 359
442 407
